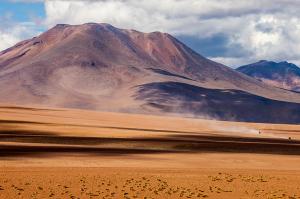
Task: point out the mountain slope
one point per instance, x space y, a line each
98 66
282 74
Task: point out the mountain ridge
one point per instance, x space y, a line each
100 67
280 74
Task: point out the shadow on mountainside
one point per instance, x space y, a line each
222 104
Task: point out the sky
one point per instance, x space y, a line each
232 32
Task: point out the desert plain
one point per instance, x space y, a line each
69 153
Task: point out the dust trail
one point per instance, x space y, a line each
273 135
236 129
246 130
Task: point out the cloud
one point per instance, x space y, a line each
7 40
11 32
10 35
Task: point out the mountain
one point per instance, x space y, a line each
101 67
282 74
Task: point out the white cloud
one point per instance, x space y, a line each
7 40
274 37
13 32
232 61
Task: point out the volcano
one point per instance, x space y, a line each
101 67
280 74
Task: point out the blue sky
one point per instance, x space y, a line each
22 11
232 32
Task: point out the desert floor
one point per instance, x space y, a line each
64 153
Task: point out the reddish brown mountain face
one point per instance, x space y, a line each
98 66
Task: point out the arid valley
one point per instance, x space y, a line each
149 99
65 153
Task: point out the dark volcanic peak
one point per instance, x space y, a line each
280 74
101 67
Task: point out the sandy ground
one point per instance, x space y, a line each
146 183
60 153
